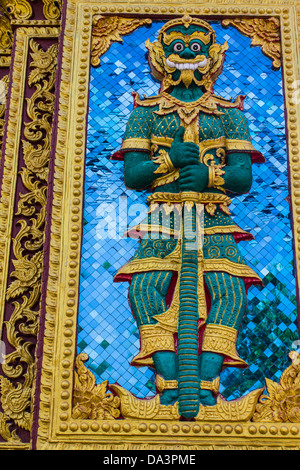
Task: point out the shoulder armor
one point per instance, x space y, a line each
146 102
238 103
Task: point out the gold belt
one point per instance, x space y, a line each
192 196
210 200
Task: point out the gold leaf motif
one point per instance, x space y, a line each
264 33
28 272
210 208
108 29
224 208
92 401
283 402
14 401
5 431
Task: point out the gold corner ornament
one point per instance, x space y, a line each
16 384
264 32
109 29
282 404
92 401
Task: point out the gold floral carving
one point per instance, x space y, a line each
108 29
6 40
18 9
6 34
283 402
52 9
264 33
19 365
91 400
5 429
151 409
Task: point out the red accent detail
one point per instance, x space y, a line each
238 236
134 94
241 103
176 342
118 155
257 157
123 278
251 281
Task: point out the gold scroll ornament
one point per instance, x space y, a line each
263 32
22 10
109 29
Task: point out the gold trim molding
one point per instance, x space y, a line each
58 427
17 382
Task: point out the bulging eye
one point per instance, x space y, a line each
195 47
178 47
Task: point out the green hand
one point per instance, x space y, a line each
183 153
193 177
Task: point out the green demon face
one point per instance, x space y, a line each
186 53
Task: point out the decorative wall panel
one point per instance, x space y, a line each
68 335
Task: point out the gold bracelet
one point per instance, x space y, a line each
164 161
211 176
213 386
162 384
215 173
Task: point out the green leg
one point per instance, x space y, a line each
166 365
210 365
228 304
147 296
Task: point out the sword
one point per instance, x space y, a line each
191 294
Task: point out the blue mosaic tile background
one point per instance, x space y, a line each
106 330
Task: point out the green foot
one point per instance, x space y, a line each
206 398
169 397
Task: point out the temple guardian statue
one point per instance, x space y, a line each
188 280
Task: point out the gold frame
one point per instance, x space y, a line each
56 428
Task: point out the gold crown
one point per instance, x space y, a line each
186 21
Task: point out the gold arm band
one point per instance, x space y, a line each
236 144
213 386
136 143
162 384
